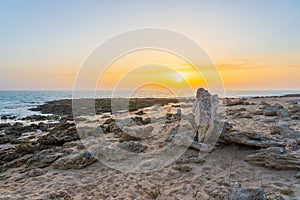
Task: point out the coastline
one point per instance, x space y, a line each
14 104
45 158
64 106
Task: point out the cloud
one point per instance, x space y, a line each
294 66
289 59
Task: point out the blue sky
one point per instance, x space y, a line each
44 42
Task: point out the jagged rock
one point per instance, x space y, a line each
42 126
36 172
218 191
44 158
196 160
72 144
227 127
59 195
278 106
263 103
9 154
182 168
4 117
297 175
106 128
230 112
278 197
4 139
276 130
136 132
283 113
66 118
147 120
105 116
18 129
293 102
284 130
15 163
247 194
295 109
115 128
35 118
229 102
187 141
15 139
270 112
276 158
14 129
137 120
241 109
201 146
24 148
124 137
109 121
64 132
245 115
188 138
4 125
95 130
176 105
257 112
269 120
177 115
174 130
169 116
75 161
103 105
118 135
140 112
250 139
132 146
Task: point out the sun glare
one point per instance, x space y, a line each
178 77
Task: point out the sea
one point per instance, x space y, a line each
17 103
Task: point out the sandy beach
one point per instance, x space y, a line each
45 159
145 100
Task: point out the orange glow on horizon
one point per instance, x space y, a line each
150 66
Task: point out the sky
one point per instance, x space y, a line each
255 44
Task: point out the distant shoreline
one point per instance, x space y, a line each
279 96
64 106
20 104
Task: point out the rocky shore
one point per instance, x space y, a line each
257 155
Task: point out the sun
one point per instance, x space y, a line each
178 77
